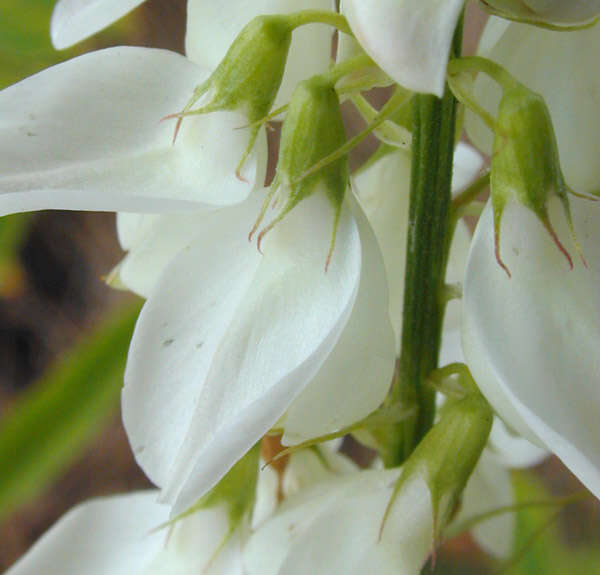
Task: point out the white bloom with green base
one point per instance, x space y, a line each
561 66
409 39
87 135
229 338
119 535
531 340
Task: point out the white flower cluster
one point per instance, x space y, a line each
233 342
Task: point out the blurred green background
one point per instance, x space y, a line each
64 337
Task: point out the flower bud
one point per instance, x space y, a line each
248 77
446 457
525 165
546 12
312 130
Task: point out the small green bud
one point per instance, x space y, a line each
545 13
248 77
525 165
312 129
447 455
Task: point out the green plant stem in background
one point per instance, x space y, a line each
428 244
51 424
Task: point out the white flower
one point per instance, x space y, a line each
87 134
531 340
118 535
211 28
561 66
229 338
409 39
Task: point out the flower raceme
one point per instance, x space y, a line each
228 338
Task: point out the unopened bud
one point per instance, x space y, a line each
525 165
248 77
447 455
312 130
546 12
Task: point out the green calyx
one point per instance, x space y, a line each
521 11
447 455
312 129
525 164
248 77
236 491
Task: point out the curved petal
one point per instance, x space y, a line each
75 20
228 339
109 535
359 368
531 340
335 527
158 240
512 450
86 134
383 191
490 488
409 39
211 30
563 67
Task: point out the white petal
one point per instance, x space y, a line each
211 30
108 535
563 67
409 39
512 450
531 340
356 376
75 20
179 331
383 191
228 339
308 467
307 523
86 134
197 544
266 494
159 239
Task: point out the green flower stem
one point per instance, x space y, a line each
334 19
428 244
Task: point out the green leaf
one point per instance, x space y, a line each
51 424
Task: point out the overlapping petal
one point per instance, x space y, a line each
531 340
110 535
356 376
211 30
228 339
75 20
409 39
561 66
87 134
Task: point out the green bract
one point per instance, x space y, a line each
313 129
546 13
447 455
249 76
525 165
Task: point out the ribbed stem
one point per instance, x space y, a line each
429 230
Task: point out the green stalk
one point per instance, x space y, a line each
428 243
